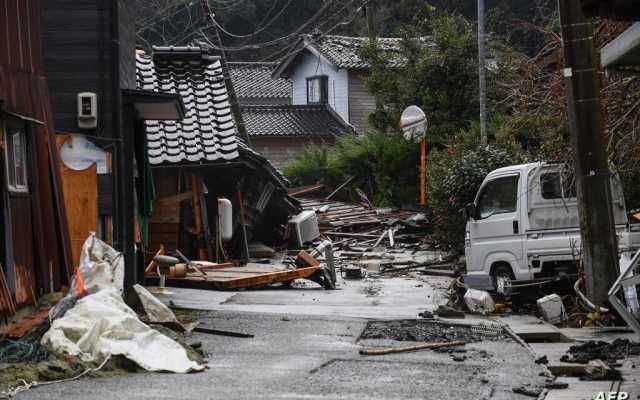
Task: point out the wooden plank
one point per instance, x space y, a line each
175 199
206 265
197 213
162 237
266 279
165 213
164 228
236 282
153 264
80 189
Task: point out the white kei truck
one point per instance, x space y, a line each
523 225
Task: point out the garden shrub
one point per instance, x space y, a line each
454 175
384 167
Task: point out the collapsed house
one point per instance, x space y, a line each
202 159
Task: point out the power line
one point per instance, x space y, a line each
322 34
261 29
258 46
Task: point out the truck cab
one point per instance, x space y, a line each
524 225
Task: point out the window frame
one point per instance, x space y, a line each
324 89
23 129
567 192
477 217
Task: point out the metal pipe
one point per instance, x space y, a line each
584 298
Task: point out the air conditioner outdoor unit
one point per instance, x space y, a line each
304 227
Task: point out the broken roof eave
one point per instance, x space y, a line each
246 159
624 51
152 105
283 69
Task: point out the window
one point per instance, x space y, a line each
16 157
498 196
551 186
555 185
317 90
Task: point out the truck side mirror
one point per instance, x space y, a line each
469 211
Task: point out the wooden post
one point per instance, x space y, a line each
371 20
197 214
423 172
593 180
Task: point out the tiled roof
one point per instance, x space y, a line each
208 131
253 80
292 120
344 52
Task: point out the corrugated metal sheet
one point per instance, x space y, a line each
40 241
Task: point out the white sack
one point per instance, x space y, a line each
102 324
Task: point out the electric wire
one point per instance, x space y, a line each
258 30
258 46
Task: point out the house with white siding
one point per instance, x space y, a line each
327 69
277 129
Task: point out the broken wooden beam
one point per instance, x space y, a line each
425 346
222 333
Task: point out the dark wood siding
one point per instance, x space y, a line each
126 18
77 57
361 103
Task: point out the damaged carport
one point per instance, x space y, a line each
195 165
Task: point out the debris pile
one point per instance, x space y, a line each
379 240
431 331
599 350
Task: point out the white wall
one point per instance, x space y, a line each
338 82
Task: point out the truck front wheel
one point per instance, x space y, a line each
502 276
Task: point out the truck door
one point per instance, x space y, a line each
495 232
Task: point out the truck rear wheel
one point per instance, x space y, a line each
502 276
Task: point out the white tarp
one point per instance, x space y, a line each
156 310
101 323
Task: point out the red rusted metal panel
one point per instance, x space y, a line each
41 243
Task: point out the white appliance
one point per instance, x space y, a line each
304 227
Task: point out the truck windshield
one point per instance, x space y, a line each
498 196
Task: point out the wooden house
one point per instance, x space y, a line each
203 158
34 245
277 129
327 69
89 58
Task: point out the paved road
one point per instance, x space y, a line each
315 356
369 298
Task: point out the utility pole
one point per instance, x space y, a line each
482 72
371 20
593 181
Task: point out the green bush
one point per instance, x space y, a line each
454 175
384 167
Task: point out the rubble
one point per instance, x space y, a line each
430 331
598 350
